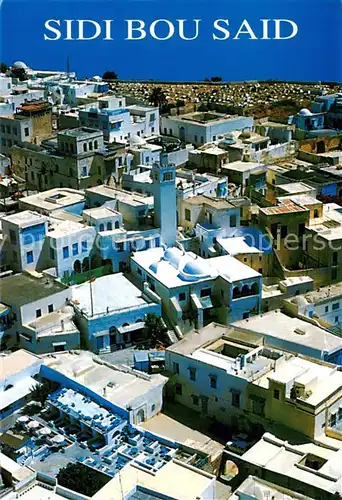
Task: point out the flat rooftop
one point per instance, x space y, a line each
81 132
237 246
13 363
110 293
20 289
100 212
302 199
133 199
291 329
205 118
121 386
53 199
286 207
25 219
68 227
216 203
325 293
242 166
278 456
253 486
295 187
171 481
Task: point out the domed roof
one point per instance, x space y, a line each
194 269
154 267
173 255
19 65
136 140
305 112
97 78
300 301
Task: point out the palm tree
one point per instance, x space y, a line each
157 97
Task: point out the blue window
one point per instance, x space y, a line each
335 306
75 249
65 252
84 171
84 246
35 233
29 257
52 253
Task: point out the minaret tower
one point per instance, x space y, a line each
165 203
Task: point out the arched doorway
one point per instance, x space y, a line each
85 264
77 266
140 416
182 133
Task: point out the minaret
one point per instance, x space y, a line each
165 204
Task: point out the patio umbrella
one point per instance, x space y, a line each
33 424
45 431
23 419
58 439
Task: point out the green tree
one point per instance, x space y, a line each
216 79
155 328
20 74
40 392
109 75
3 67
157 97
9 451
82 479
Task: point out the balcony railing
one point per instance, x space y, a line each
78 278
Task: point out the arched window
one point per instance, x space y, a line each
236 293
254 289
116 224
316 215
95 145
109 226
101 227
85 264
77 266
245 291
85 148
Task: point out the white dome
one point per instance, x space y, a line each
136 140
97 78
174 256
300 301
305 112
19 65
194 270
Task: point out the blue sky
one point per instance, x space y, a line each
314 54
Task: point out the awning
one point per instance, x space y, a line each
131 328
206 302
